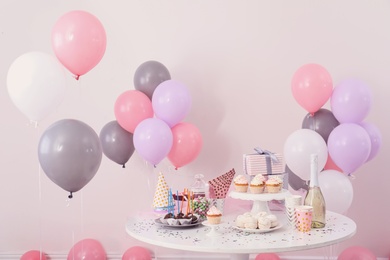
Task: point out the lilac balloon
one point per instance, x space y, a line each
351 101
375 137
171 102
349 146
153 140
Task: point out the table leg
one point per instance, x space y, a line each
239 256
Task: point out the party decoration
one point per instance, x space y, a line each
349 146
137 253
295 181
33 255
311 87
337 190
70 154
330 165
36 84
221 184
149 75
297 150
187 144
323 122
79 41
161 197
117 143
375 137
267 256
132 107
153 140
357 253
171 102
90 249
351 101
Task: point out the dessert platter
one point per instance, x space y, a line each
178 221
257 230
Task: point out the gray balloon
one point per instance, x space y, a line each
116 142
323 122
295 181
70 154
149 75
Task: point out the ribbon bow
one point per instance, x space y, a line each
266 152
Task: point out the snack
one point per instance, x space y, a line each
274 184
261 220
264 223
257 184
214 216
241 183
274 220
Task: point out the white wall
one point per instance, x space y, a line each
236 57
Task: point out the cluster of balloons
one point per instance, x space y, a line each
92 249
342 141
36 80
153 114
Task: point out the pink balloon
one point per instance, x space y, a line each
330 165
132 107
137 253
171 102
79 41
267 256
351 101
153 140
33 255
187 143
375 137
311 86
349 146
90 249
356 253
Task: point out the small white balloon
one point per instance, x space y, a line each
337 190
36 84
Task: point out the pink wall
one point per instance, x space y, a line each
236 57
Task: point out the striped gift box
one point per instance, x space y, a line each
259 164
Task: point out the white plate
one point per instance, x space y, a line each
258 230
158 222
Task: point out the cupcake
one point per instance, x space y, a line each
241 183
214 216
257 184
274 184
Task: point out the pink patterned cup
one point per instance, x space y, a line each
303 218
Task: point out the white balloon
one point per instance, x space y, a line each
36 84
337 190
297 150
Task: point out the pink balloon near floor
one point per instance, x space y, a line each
90 249
356 253
267 256
33 255
137 253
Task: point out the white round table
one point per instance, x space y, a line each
240 244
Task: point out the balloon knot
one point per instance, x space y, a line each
154 166
77 77
176 168
123 166
70 195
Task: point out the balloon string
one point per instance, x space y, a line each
40 199
70 195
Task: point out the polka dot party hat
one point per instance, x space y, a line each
160 199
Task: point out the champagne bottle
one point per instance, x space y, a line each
314 195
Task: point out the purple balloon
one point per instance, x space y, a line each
153 140
349 146
171 102
375 137
351 101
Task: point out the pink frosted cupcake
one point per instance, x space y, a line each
241 183
274 184
257 184
214 216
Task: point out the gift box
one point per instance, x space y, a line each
263 162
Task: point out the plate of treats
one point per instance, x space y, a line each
180 220
258 230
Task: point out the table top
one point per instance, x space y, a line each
232 241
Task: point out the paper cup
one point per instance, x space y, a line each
303 218
290 203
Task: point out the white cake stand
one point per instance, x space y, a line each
260 201
214 231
